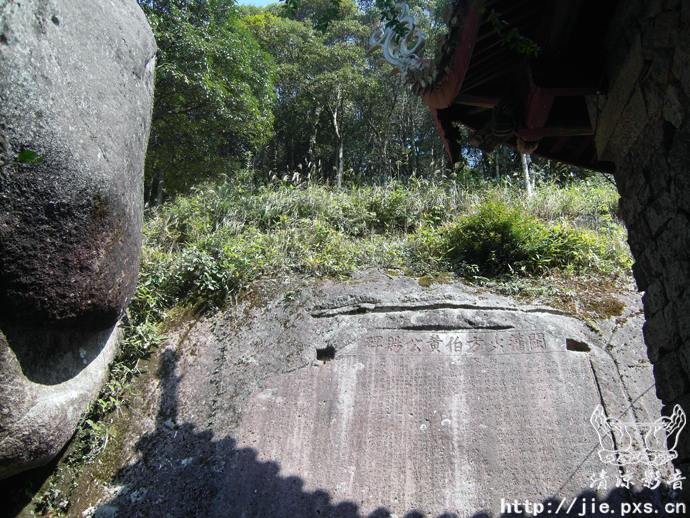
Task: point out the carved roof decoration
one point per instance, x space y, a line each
423 75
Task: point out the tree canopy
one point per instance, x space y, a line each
214 88
275 94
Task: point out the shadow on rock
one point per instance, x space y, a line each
50 357
184 473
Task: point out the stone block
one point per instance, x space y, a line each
673 110
643 271
681 68
626 21
679 154
665 29
624 81
685 11
630 208
659 179
650 143
677 278
673 242
671 380
654 298
639 235
660 333
631 124
653 91
654 8
659 213
683 324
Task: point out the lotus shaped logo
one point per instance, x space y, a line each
618 447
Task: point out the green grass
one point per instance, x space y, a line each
206 247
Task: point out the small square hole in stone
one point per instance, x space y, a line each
325 354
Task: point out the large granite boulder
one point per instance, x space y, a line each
76 87
76 82
44 393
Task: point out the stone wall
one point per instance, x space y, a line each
645 127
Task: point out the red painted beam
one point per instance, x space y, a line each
442 134
443 97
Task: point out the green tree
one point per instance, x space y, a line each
334 106
318 75
213 94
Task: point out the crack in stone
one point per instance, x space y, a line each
432 327
360 309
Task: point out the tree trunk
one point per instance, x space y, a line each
339 138
155 194
525 173
413 145
340 164
312 137
496 163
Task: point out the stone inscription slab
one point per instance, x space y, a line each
433 421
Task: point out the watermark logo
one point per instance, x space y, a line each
619 449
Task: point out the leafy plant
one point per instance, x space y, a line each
508 35
212 97
498 238
29 157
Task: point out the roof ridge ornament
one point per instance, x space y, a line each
396 50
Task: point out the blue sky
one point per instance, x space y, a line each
260 3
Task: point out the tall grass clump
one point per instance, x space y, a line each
585 202
498 238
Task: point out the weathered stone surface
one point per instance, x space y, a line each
673 110
43 398
630 124
76 86
624 83
379 397
76 81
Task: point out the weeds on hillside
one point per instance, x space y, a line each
498 238
209 245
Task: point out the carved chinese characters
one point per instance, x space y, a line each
398 417
456 343
438 400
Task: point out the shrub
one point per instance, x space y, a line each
496 238
499 238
